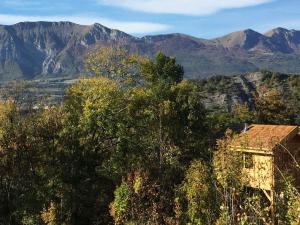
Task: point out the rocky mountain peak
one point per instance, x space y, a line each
287 41
246 39
277 31
32 49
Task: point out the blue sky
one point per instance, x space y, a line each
200 18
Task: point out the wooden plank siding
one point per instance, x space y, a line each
274 150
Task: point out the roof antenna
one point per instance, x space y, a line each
245 128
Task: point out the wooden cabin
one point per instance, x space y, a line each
269 151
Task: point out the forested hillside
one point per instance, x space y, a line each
218 93
134 144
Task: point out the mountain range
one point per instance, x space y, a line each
31 50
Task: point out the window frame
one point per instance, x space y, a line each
248 160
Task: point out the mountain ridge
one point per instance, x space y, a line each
29 50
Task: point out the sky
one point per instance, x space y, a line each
200 18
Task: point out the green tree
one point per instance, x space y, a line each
163 69
288 201
199 195
271 109
242 113
170 130
92 123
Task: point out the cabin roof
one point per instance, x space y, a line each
264 137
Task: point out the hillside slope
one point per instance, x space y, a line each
32 50
219 93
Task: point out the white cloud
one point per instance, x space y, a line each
126 26
185 7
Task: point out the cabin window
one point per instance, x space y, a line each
248 161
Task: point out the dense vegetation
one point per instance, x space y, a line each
132 145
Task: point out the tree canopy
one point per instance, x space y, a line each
131 144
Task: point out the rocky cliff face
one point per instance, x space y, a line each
219 93
223 93
28 50
57 49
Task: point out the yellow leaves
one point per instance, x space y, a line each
137 183
91 97
139 93
6 107
114 63
113 211
139 101
183 85
94 91
166 107
120 206
6 110
228 164
49 215
91 84
198 190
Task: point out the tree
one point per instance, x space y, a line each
288 202
163 69
92 121
27 142
169 123
271 109
228 167
242 113
114 63
199 195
